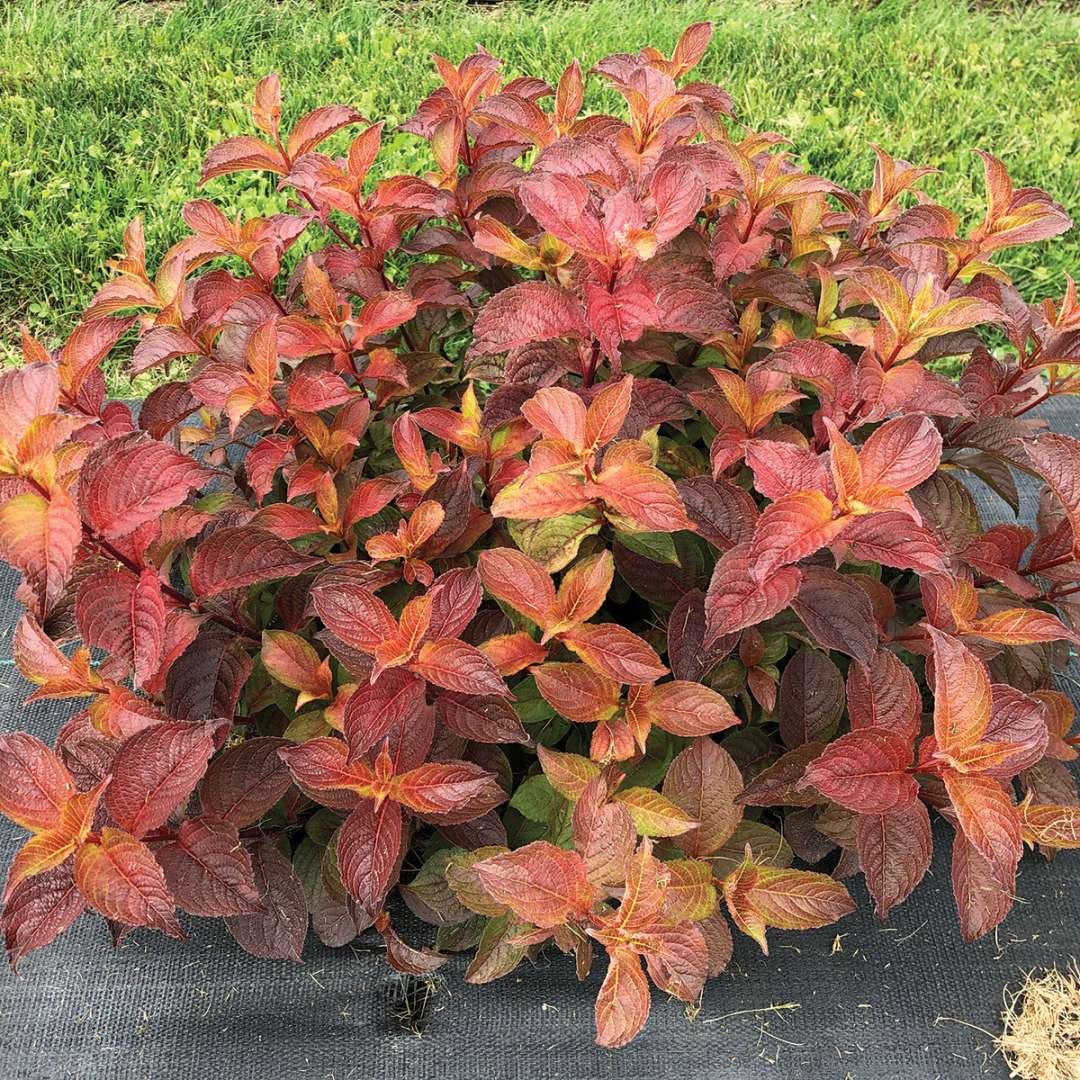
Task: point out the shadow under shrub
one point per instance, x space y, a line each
600 545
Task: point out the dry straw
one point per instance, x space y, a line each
1041 1037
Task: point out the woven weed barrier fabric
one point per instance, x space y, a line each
862 999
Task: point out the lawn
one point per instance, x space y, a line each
106 109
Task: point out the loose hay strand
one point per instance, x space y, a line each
1041 1020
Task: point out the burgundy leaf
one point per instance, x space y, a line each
735 601
811 698
244 781
894 853
369 851
837 612
130 481
481 718
234 558
125 616
155 771
208 870
38 910
276 932
883 693
206 680
865 771
374 708
532 311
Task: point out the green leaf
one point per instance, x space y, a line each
535 798
560 824
529 705
307 862
462 936
495 955
322 825
429 894
554 543
652 768
659 547
766 844
307 725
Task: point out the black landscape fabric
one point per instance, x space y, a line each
865 1000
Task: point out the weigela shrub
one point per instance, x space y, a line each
576 537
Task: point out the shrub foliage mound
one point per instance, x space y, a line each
575 538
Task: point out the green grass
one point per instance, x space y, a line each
107 109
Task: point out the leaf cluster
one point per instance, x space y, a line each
572 542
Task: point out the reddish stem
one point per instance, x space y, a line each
176 595
1038 568
1038 401
960 264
